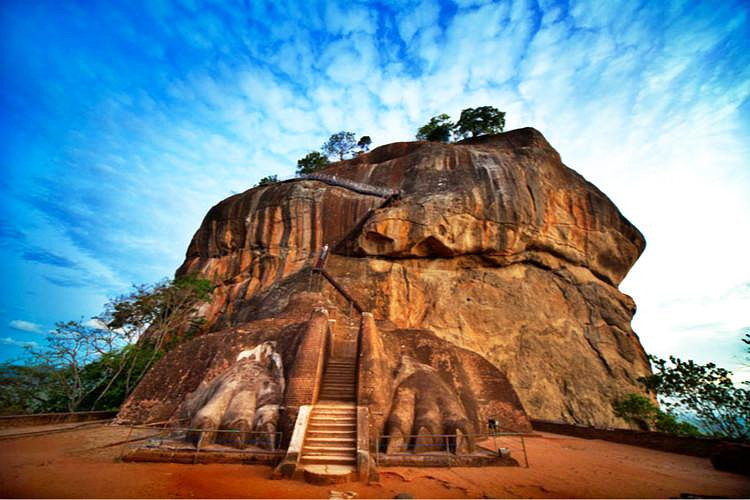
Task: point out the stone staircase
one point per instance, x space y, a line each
331 437
330 446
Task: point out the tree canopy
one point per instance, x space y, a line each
480 121
364 143
340 145
705 391
311 162
438 129
97 364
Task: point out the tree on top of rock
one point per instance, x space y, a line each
340 145
480 121
364 143
438 129
311 162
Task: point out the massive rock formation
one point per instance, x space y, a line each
494 250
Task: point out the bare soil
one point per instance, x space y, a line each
77 463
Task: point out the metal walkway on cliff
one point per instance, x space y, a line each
359 187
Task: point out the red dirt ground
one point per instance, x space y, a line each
74 464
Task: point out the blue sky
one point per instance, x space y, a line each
120 125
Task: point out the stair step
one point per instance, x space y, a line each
333 427
332 441
331 433
328 459
333 450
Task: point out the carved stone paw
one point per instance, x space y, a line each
426 415
241 405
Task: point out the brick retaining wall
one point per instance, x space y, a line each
695 446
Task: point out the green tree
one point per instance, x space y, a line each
706 391
30 388
311 162
269 179
640 410
66 352
364 143
480 121
93 365
438 129
340 145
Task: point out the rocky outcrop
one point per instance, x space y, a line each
494 247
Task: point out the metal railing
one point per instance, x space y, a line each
359 187
449 444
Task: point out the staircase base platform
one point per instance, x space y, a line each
329 474
181 454
442 459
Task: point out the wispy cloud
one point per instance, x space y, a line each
17 343
25 326
49 258
129 123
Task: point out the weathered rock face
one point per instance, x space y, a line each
494 247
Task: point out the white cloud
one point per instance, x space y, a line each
18 343
25 326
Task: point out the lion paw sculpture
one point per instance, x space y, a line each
241 405
426 409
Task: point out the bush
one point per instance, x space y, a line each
640 410
269 179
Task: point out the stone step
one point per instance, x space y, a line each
333 418
326 417
333 414
327 421
325 450
334 411
328 459
333 426
323 433
330 441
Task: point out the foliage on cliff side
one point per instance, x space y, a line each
706 391
96 365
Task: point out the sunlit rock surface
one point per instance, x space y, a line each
494 247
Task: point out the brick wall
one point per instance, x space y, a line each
698 447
